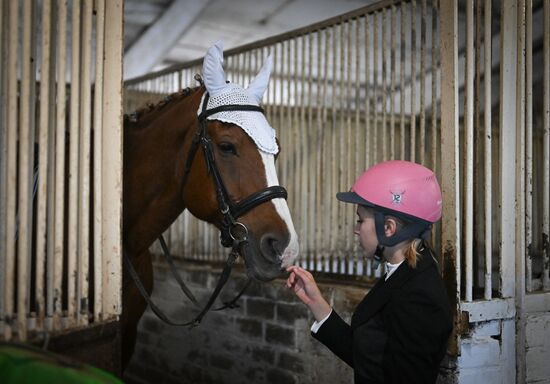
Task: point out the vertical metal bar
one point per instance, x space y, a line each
546 151
469 149
352 144
359 137
11 173
26 150
507 118
393 53
423 83
55 265
303 149
314 150
98 185
435 71
402 69
478 230
43 146
333 143
528 145
321 91
375 91
112 158
295 141
520 193
73 161
368 86
50 210
3 157
413 82
450 226
488 164
84 162
282 87
384 103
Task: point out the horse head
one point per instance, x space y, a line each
241 171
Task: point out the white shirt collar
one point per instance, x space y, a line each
391 268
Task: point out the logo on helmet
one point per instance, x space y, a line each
397 197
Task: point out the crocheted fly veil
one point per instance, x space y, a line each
222 93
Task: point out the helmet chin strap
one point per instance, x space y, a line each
378 257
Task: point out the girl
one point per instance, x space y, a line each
399 331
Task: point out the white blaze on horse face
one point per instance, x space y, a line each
291 251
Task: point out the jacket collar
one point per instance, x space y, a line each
381 293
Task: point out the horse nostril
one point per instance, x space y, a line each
270 245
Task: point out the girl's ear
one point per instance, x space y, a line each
390 226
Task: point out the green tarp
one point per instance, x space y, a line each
23 364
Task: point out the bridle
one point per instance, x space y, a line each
230 210
234 234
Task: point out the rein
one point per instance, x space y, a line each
234 234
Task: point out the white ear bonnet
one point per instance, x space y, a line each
221 93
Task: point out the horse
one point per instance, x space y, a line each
164 174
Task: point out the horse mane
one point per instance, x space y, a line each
149 108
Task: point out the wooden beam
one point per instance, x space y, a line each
154 43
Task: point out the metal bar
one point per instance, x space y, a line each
375 89
314 153
423 83
435 71
44 149
528 145
295 140
50 210
320 153
413 82
84 162
488 164
55 265
3 156
26 150
392 80
97 129
520 193
357 128
303 151
508 92
546 151
469 149
333 145
11 173
112 159
402 69
351 147
384 104
450 225
368 86
478 230
73 162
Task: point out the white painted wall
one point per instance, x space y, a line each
538 348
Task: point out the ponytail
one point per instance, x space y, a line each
411 253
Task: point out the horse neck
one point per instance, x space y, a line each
154 161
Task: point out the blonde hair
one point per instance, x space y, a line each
411 253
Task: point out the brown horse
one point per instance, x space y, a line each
156 146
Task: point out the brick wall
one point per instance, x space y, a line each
265 340
538 348
488 354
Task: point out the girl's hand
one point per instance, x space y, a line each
305 287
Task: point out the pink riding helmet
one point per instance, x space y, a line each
400 186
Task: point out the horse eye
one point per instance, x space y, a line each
227 148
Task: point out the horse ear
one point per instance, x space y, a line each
259 84
212 69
